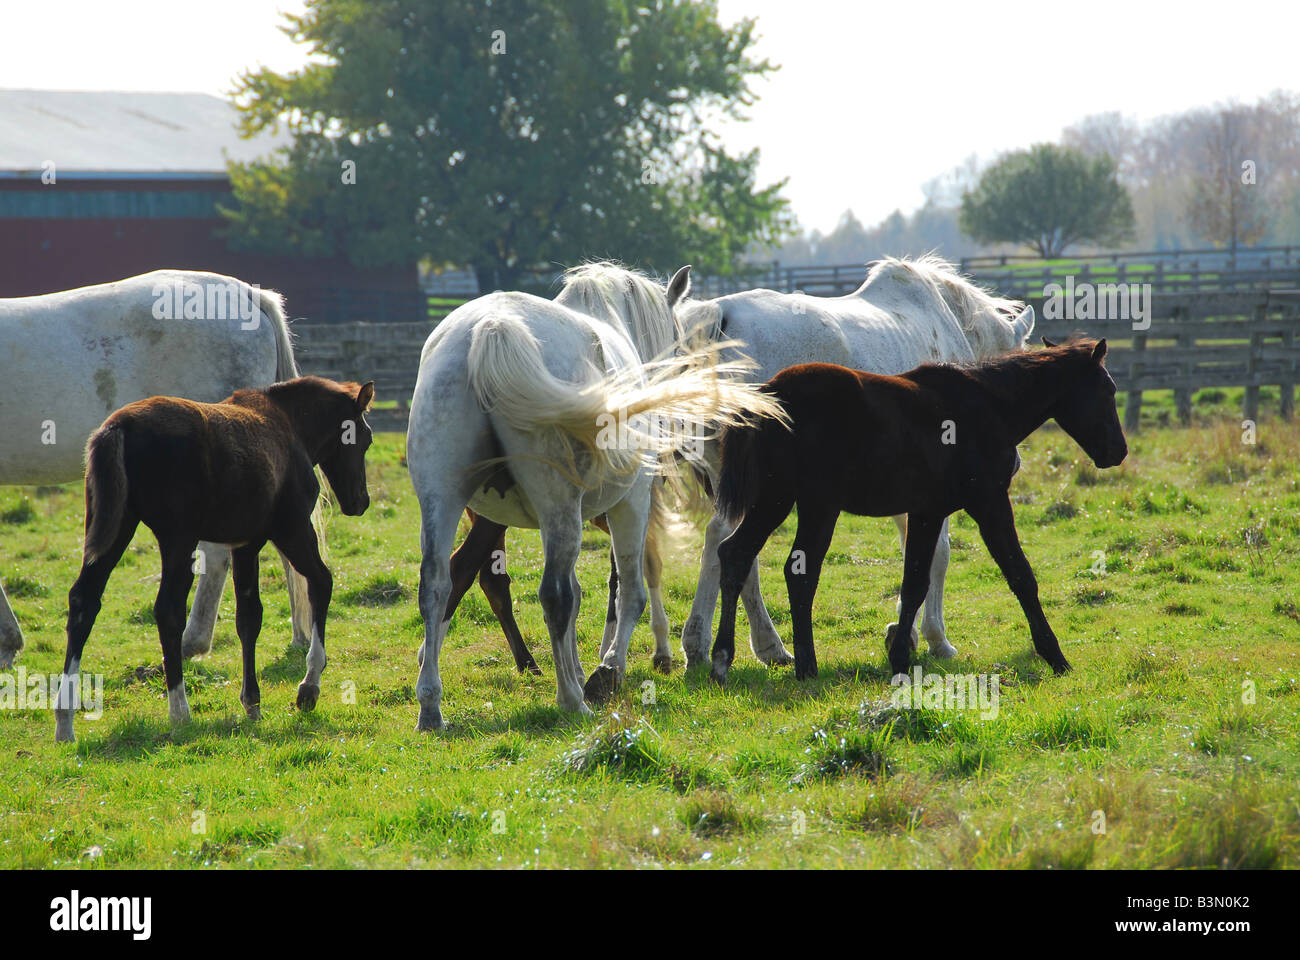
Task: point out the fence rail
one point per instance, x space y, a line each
1194 341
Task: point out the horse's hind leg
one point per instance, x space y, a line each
654 577
611 608
169 614
922 534
84 601
495 583
737 556
439 515
11 635
803 571
998 528
197 638
248 623
561 528
628 522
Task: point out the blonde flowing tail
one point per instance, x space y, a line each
634 418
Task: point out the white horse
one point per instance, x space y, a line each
68 360
543 414
908 312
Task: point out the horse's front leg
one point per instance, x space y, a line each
698 629
628 521
248 623
169 613
300 546
922 534
763 638
998 528
11 635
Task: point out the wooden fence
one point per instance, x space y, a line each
1194 341
1197 341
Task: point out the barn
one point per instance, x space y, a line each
95 187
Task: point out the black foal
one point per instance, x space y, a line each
239 472
927 443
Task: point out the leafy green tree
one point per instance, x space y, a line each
507 136
1048 197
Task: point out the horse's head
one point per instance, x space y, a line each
1086 410
344 458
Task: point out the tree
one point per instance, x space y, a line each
509 136
1225 204
1048 197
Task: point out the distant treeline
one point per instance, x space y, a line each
1206 177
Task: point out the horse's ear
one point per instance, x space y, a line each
1048 343
679 286
365 396
1099 351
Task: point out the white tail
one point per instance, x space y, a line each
694 392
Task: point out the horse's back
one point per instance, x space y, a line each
205 461
69 359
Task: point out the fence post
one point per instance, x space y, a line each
1187 340
1133 410
1251 401
1287 387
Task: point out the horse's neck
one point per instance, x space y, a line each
301 408
1027 400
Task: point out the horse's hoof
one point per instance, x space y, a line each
601 685
191 648
254 711
718 674
664 663
782 659
1062 667
694 663
529 666
307 697
7 659
429 720
63 727
892 629
808 672
943 650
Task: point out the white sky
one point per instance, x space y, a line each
873 98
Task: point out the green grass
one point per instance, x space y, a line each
1177 730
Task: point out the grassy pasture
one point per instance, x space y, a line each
1149 738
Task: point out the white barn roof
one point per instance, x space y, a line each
181 135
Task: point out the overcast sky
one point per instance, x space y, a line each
872 100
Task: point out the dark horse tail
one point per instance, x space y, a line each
739 479
105 489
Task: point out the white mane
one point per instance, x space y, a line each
985 318
606 291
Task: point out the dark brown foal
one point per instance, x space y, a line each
928 443
239 472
